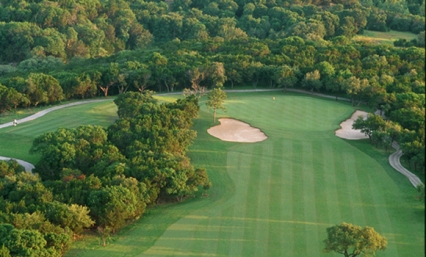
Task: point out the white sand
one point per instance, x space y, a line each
236 131
347 132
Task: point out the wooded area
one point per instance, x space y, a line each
59 50
90 177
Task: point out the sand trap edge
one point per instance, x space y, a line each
234 130
347 132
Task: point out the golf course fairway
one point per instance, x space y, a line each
275 197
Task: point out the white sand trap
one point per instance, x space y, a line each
347 132
236 131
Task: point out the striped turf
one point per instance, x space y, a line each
276 197
286 190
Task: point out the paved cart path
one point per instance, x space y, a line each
28 166
394 159
44 112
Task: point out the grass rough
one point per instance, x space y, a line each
386 38
272 198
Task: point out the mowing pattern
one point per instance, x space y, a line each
286 190
276 197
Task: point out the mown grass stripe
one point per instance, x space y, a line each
367 203
212 246
257 200
286 197
310 198
354 187
239 207
331 184
344 196
322 205
383 218
251 199
298 200
275 235
264 201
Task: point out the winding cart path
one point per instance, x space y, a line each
28 166
394 159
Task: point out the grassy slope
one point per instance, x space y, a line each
16 141
285 191
275 198
384 37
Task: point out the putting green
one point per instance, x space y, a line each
276 197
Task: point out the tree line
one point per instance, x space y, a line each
62 50
93 28
386 78
100 179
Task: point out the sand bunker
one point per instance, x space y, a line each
236 131
347 132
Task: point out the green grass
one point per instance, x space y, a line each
276 197
16 141
22 113
384 37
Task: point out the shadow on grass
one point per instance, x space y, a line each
139 236
382 158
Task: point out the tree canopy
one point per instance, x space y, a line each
351 240
52 51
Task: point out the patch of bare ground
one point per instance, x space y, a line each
232 130
347 132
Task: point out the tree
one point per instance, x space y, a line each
79 218
57 242
347 27
104 233
355 86
138 75
109 77
74 216
9 98
331 23
196 75
393 131
369 125
112 206
158 65
312 80
4 252
337 82
216 98
22 242
86 85
327 71
216 74
11 167
253 72
79 148
351 240
286 76
42 88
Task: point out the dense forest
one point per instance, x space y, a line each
59 50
